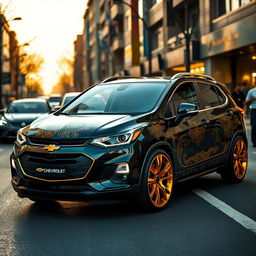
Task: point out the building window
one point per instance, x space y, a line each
126 23
156 40
153 2
225 6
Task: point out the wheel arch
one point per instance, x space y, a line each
241 133
164 145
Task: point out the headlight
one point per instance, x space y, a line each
116 140
21 138
3 123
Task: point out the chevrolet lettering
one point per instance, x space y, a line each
132 138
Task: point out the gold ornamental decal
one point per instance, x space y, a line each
51 148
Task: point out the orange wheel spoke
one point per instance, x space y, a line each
169 177
153 190
151 181
165 169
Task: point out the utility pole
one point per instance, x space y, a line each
147 27
187 38
184 29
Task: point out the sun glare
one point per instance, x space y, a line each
50 26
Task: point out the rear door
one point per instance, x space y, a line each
214 120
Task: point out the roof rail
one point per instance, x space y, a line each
113 78
187 74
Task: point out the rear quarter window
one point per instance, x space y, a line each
211 95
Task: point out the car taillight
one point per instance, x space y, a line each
242 111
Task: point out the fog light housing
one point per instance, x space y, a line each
122 169
121 174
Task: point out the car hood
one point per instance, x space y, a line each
29 118
61 126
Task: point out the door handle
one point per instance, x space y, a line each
204 122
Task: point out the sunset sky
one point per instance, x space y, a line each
52 25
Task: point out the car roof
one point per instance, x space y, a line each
182 75
30 100
71 94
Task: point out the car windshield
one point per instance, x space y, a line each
116 98
27 107
54 99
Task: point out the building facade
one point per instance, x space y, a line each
118 42
9 53
79 63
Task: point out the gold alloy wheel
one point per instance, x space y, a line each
240 158
160 180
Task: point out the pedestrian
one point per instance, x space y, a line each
251 101
244 88
238 96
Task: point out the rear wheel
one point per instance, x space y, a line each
157 181
237 164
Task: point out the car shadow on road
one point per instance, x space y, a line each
111 208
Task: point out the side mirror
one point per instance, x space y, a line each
187 109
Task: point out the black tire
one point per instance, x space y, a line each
233 173
144 199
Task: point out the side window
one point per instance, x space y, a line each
209 95
185 93
222 98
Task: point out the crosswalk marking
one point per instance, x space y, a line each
242 219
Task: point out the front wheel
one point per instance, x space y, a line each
156 182
237 165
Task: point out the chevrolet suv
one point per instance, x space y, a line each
132 138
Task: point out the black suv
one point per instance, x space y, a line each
132 137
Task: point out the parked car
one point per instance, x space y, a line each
44 97
132 137
66 98
21 113
54 100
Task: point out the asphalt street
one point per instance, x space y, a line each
204 217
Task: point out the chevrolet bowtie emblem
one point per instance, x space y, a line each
51 148
39 169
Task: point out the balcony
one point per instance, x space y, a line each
102 17
117 10
102 2
156 13
118 42
105 31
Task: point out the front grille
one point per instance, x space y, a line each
62 142
76 165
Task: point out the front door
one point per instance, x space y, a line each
186 133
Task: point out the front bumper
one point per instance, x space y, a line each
101 181
77 193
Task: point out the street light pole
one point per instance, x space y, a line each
187 38
148 32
